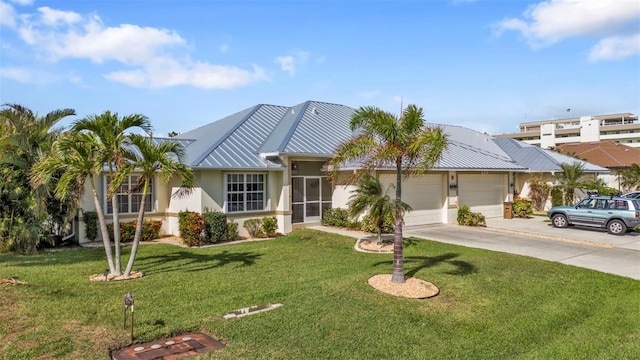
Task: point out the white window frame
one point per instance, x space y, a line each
244 192
150 194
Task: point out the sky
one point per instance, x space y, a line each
485 64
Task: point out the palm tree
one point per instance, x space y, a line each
631 177
383 141
77 157
110 131
150 160
369 196
571 178
24 138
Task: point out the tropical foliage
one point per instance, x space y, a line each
571 178
369 196
538 192
405 144
631 177
29 215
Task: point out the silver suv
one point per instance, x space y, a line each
617 214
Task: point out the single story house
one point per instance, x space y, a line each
270 160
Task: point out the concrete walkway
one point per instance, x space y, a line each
583 247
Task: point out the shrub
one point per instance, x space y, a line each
91 225
216 228
388 226
354 225
150 230
232 230
522 208
269 226
192 227
335 217
538 192
469 218
556 196
253 227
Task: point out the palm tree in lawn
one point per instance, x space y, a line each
631 177
111 131
385 140
571 178
165 160
370 196
77 157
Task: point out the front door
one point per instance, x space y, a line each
311 195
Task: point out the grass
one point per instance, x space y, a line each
492 305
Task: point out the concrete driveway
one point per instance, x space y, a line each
583 247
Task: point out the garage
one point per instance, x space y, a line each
425 194
484 193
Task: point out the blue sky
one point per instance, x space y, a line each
487 65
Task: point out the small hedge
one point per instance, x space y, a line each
335 217
91 225
269 226
216 228
388 226
192 228
556 196
469 218
150 230
253 227
522 208
232 230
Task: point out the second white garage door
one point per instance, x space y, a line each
424 193
482 192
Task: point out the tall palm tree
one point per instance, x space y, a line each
384 140
370 196
631 177
111 132
164 160
24 138
571 177
77 157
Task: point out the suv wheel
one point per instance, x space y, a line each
559 221
616 227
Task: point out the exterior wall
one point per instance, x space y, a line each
589 129
547 136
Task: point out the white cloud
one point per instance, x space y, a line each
551 21
223 48
291 63
18 74
616 47
7 15
150 57
22 2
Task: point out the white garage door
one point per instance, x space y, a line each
483 193
425 195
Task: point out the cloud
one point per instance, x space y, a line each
223 48
148 56
291 63
17 74
548 22
22 2
615 48
7 15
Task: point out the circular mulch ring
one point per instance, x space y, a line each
111 277
374 247
412 288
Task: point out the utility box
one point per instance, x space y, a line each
508 210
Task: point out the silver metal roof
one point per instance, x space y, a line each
256 137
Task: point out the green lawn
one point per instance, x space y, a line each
491 305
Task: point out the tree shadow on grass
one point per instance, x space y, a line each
413 264
191 261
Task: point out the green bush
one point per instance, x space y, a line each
354 225
192 227
469 218
556 196
232 230
216 228
388 226
522 208
254 227
91 225
269 226
150 230
335 217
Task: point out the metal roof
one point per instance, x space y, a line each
256 137
537 159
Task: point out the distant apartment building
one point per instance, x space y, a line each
622 128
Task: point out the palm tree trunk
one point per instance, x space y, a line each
398 257
116 232
103 228
138 233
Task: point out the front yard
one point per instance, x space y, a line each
491 305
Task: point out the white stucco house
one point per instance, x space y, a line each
270 160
